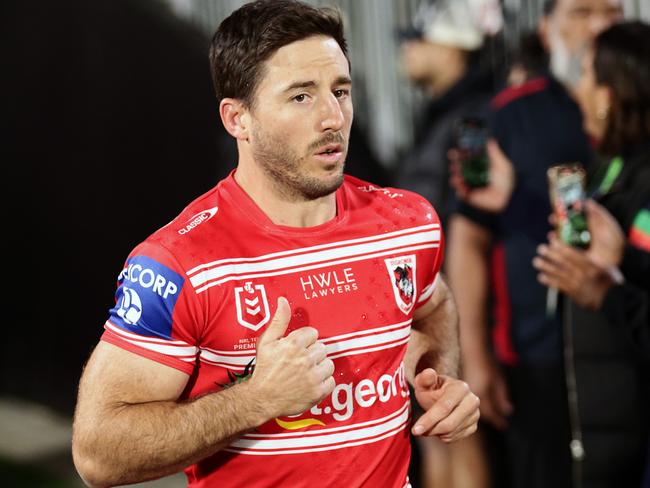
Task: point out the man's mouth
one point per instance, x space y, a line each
330 149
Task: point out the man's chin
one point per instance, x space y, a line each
323 186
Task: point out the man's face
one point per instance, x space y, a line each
577 22
301 118
570 28
421 60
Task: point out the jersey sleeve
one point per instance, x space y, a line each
156 313
430 257
432 273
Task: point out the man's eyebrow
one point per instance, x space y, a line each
341 80
300 84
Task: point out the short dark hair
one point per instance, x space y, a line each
622 62
254 32
549 6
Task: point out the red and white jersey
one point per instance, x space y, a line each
198 293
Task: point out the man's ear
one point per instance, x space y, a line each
235 117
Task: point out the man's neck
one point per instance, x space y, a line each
282 207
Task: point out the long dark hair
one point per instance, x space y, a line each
254 32
622 63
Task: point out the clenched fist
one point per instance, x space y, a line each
292 373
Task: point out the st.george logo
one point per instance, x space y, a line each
401 271
252 305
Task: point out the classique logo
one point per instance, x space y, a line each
198 219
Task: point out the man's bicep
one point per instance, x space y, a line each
115 376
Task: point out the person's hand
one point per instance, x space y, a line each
451 409
495 196
607 237
486 380
292 373
573 272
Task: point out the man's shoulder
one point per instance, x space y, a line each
187 235
532 90
388 203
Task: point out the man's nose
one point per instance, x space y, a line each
331 114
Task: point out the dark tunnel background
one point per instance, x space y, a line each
112 129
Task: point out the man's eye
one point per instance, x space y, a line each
581 13
300 98
340 93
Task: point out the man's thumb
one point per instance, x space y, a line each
279 323
426 379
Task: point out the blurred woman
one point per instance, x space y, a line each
605 313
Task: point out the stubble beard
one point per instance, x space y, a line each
565 65
285 168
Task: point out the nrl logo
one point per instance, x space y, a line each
401 271
252 306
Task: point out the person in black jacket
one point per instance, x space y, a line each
444 54
605 313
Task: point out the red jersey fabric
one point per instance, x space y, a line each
198 293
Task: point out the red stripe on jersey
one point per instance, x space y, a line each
501 333
512 93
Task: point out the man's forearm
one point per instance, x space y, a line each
434 338
137 442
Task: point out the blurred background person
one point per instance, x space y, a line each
516 366
607 317
528 60
445 55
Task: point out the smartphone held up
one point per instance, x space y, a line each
567 192
471 140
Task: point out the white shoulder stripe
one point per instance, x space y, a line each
209 283
322 257
118 330
143 342
302 250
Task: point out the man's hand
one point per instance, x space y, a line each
495 196
292 373
452 410
573 272
486 380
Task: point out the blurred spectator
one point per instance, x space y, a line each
446 55
607 318
536 125
443 54
529 60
